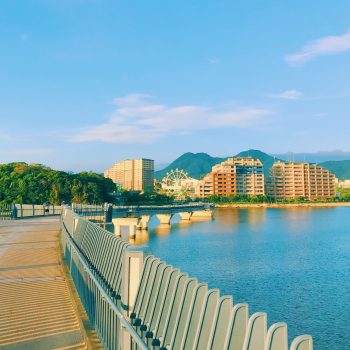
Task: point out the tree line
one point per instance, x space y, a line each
36 184
342 196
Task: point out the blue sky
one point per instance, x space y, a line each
84 83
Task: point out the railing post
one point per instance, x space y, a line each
108 212
133 264
14 211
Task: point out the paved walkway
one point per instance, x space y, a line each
36 311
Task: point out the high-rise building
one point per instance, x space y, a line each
242 175
290 180
133 174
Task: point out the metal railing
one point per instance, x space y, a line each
137 301
174 311
6 212
94 258
20 211
123 211
32 210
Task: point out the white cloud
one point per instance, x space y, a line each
323 46
137 119
288 95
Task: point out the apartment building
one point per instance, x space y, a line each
242 175
133 174
290 180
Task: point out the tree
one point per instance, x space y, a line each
36 184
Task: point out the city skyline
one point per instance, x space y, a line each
86 83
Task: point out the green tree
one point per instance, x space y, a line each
36 184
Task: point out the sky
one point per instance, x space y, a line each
86 83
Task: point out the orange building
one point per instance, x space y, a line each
290 180
243 175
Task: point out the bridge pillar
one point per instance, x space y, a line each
130 222
117 230
164 218
207 213
108 212
132 230
186 215
143 222
133 264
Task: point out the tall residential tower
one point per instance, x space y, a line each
133 174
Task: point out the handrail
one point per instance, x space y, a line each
205 316
119 314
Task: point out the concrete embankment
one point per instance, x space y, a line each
283 205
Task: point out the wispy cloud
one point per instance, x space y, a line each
288 95
327 45
137 119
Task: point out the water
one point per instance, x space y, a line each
293 264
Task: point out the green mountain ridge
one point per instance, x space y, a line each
341 168
195 164
265 158
199 164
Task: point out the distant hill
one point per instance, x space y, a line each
195 164
317 157
198 164
340 168
265 158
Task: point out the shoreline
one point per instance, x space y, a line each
283 205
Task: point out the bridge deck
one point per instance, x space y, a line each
36 310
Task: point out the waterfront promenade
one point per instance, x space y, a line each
37 310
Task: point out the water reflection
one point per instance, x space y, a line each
162 230
292 263
232 218
142 238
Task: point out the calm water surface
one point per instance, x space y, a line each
293 264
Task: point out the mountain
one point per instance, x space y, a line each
340 168
195 164
198 164
265 158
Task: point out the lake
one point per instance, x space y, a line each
293 264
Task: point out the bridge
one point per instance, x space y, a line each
129 299
138 217
38 310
